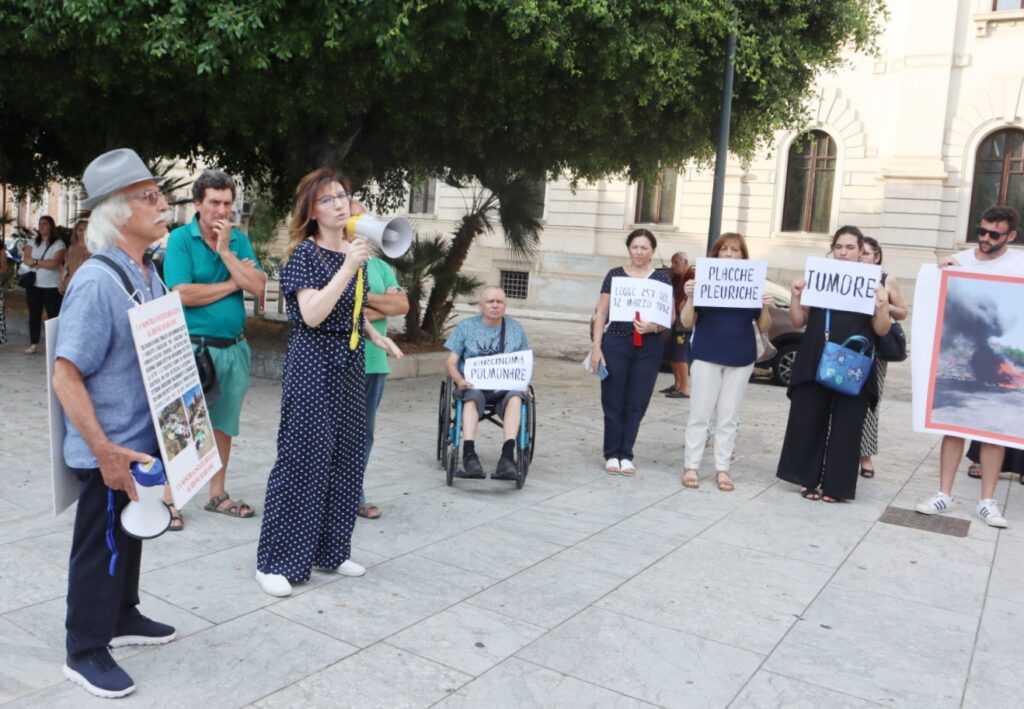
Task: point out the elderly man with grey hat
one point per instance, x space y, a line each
99 384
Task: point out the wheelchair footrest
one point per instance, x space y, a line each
460 473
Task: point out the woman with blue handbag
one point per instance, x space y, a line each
821 449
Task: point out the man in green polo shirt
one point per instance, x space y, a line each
211 265
384 299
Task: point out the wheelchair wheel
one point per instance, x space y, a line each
451 461
531 426
444 409
522 467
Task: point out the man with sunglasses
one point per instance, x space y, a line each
211 265
998 228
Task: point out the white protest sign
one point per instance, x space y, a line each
510 371
176 400
840 285
65 486
729 283
652 299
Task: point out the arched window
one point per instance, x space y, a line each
810 178
998 175
656 201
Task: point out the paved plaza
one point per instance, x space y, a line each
580 590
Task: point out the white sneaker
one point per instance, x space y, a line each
611 466
988 510
350 568
626 467
939 502
274 584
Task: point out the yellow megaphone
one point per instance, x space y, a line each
393 237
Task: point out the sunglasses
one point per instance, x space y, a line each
980 231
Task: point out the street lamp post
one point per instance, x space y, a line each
722 154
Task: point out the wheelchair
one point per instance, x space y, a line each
449 432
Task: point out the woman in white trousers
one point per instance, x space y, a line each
723 348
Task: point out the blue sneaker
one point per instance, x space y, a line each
97 672
140 630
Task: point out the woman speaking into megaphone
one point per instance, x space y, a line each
314 487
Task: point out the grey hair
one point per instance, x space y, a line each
105 223
682 255
480 295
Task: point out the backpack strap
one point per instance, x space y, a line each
126 282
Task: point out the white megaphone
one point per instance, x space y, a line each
393 237
148 517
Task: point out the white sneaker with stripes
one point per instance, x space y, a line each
988 510
939 502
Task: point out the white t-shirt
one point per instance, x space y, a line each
47 277
1011 263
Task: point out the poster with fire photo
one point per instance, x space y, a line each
968 355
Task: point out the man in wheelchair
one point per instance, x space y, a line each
486 334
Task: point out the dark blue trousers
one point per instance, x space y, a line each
97 601
626 391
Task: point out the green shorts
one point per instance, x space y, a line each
232 366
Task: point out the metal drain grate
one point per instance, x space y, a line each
930 523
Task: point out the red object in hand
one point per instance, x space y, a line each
638 339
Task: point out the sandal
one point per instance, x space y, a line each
831 500
237 508
369 511
974 471
724 485
177 522
31 349
690 479
810 493
868 472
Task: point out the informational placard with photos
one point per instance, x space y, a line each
176 400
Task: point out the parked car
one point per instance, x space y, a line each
783 335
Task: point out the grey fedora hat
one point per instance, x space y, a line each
111 172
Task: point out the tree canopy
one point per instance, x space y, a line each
386 89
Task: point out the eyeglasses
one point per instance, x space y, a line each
152 197
329 200
980 231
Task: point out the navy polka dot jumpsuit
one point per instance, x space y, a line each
313 490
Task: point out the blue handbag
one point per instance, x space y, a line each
841 367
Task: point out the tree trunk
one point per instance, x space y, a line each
439 304
413 333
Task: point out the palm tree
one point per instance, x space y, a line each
509 200
425 261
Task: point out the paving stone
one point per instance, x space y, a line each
650 662
870 646
514 684
367 679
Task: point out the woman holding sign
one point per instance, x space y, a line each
821 450
723 351
631 352
314 488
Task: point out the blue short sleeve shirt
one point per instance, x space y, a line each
95 335
474 338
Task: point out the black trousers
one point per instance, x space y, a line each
37 299
626 392
97 601
822 443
